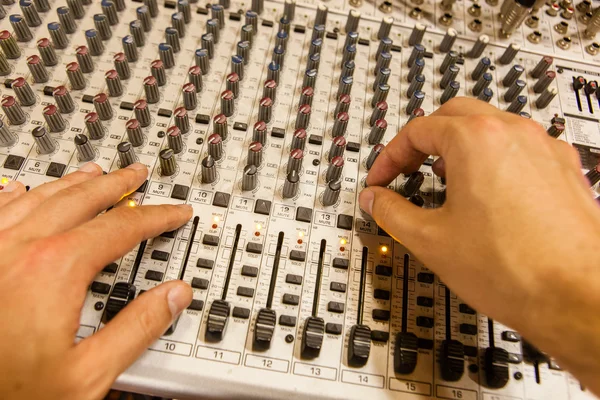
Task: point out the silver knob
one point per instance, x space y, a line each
291 184
215 146
220 126
54 119
249 178
168 163
134 133
208 170
182 120
45 143
331 193
84 147
334 171
94 126
295 161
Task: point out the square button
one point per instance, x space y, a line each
14 162
196 305
304 214
336 307
340 263
160 255
380 336
56 170
241 312
199 283
425 322
425 277
156 276
287 320
333 329
245 291
291 299
221 199
511 336
381 315
205 263
383 270
297 255
345 222
248 270
381 294
255 248
262 207
424 301
210 240
180 192
337 287
111 268
100 287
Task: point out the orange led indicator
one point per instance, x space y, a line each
214 226
4 181
131 203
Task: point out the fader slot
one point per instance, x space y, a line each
452 352
406 349
495 362
359 342
314 326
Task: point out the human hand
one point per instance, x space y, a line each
53 244
517 237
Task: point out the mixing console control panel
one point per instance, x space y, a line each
266 117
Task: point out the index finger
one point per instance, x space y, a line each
420 138
464 106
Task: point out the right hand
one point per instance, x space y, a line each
518 235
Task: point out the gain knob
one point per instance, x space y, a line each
332 193
249 178
291 184
85 150
45 143
208 170
168 163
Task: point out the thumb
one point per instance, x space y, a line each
133 330
405 222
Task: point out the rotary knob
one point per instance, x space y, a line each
84 147
13 111
63 99
412 184
338 145
377 132
334 172
174 139
37 69
332 193
190 101
220 126
295 161
299 139
54 119
265 109
168 163
340 124
7 139
94 126
259 133
303 117
375 152
23 91
134 132
142 112
75 75
103 107
291 184
151 90
182 120
249 178
215 146
255 154
209 170
227 103
45 143
157 70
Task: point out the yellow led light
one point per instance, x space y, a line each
384 249
301 234
216 219
343 241
131 203
4 181
258 227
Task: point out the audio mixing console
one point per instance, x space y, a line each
266 117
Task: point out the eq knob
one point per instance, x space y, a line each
168 163
103 107
209 170
303 117
338 145
142 112
63 99
299 139
85 150
332 193
220 126
340 124
249 178
259 132
412 184
377 132
291 184
23 91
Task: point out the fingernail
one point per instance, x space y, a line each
177 299
11 186
137 166
89 168
366 200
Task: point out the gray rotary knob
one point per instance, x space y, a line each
75 75
233 84
332 193
168 163
377 132
215 146
94 126
122 66
415 85
448 40
375 152
9 45
208 170
182 120
55 121
103 107
310 78
142 112
195 77
291 185
379 112
417 34
175 139
303 116
486 95
381 93
483 82
47 52
450 91
321 15
546 98
255 154
417 53
299 139
514 90
334 171
252 19
113 83
343 104
45 143
249 178
556 129
542 66
517 105
265 109
66 19
166 55
22 31
481 68
259 132
218 13
172 39
137 31
307 95
449 76
509 54
295 161
202 59
340 124
13 111
151 90
479 46
94 42
417 112
289 9
63 99
7 139
512 75
102 26
37 69
544 81
415 101
449 59
23 91
338 145
85 150
270 90
84 59
143 14
227 103
130 48
352 21
134 133
220 126
190 101
157 70
412 184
